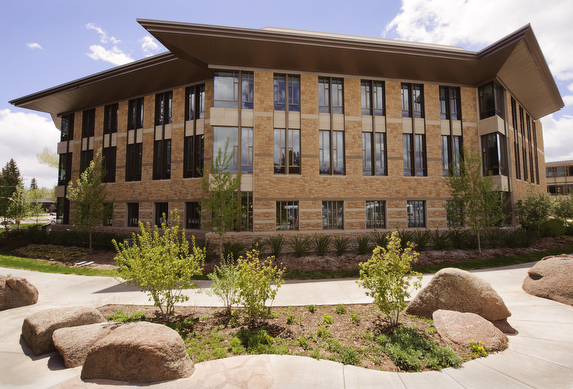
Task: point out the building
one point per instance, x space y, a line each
332 132
559 177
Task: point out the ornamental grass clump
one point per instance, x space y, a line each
388 276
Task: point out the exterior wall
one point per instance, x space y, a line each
559 176
308 188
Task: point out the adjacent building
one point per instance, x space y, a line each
559 177
331 132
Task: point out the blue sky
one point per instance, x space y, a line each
47 43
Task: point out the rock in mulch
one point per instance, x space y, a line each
466 328
74 343
551 278
458 290
16 292
38 328
139 352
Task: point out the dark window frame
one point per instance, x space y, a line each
491 100
416 218
332 212
241 144
374 158
287 215
375 214
414 155
286 147
412 97
88 123
133 214
286 92
373 97
494 155
164 108
193 215
331 90
110 118
161 208
67 128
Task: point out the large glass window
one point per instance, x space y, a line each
416 213
412 100
227 89
109 163
65 169
161 213
88 123
451 154
86 156
490 100
530 141
193 215
330 95
287 147
240 144
286 86
246 223
163 108
110 119
193 155
332 215
132 214
493 153
523 143
450 103
373 144
372 97
515 139
414 153
195 102
67 128
287 215
107 219
375 214
331 152
135 114
162 159
134 156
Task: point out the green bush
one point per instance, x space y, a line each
300 245
440 240
340 309
224 286
458 238
322 244
421 239
258 244
494 237
258 341
552 228
233 249
122 317
341 244
379 238
276 244
406 238
363 245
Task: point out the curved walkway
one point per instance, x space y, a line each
539 356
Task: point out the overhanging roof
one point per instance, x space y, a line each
194 50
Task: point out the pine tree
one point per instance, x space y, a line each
33 184
9 182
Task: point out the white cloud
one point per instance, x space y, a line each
103 37
23 136
558 138
148 45
34 46
113 55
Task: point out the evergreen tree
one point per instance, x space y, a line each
9 182
33 184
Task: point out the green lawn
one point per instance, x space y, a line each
14 262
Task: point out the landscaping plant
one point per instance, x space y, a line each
224 286
388 276
161 263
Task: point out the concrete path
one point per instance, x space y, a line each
539 356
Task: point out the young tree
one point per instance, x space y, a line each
536 208
474 196
219 206
563 207
387 276
89 194
161 263
18 208
9 182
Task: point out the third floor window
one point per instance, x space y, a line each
330 95
372 97
163 108
227 92
412 100
286 91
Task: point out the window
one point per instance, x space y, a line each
523 143
194 151
161 213
109 156
493 153
134 155
193 213
162 159
374 147
372 98
450 103
490 100
412 100
530 141
88 123
451 154
67 128
240 144
163 108
246 222
135 114
332 215
331 154
195 102
376 214
65 169
86 157
287 215
285 85
414 148
454 214
549 171
62 210
286 147
133 214
226 92
515 139
330 95
107 214
535 152
416 213
110 119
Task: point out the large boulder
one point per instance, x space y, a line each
466 328
551 278
38 328
16 292
139 352
74 343
458 290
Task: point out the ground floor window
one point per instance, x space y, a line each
107 218
161 213
133 214
63 211
287 215
193 215
246 222
416 210
332 215
376 214
454 214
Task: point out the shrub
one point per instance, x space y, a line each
326 320
440 240
340 309
341 244
311 308
406 237
255 279
224 284
458 238
233 249
208 247
322 244
494 237
552 228
163 265
300 245
122 317
258 341
363 245
387 276
421 239
349 356
258 244
355 318
276 244
379 238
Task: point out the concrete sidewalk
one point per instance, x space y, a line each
540 355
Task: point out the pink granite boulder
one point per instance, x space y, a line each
551 278
16 292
